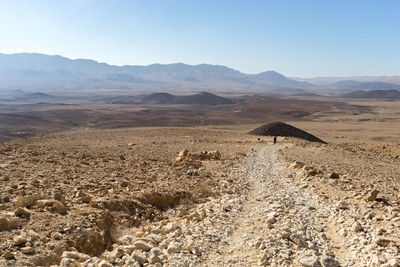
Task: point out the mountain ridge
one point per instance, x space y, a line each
54 73
33 71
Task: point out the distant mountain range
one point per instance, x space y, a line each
326 81
30 72
38 72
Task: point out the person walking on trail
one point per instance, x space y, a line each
274 140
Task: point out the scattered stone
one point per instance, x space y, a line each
195 251
57 195
144 244
182 155
27 250
21 212
329 261
383 242
59 207
153 259
371 196
174 247
171 226
215 154
297 165
116 254
75 255
356 227
393 262
104 263
56 235
68 262
310 262
8 255
45 202
20 240
298 240
4 224
334 175
139 257
343 205
155 237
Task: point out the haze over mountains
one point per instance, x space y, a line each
325 81
56 74
50 73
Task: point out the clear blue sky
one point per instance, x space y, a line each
297 38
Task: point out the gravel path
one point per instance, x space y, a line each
274 222
277 221
283 223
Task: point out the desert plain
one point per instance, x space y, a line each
115 184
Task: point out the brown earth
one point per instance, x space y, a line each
105 182
84 190
31 118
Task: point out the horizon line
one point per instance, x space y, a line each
199 64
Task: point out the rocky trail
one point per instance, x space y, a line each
262 213
282 223
276 222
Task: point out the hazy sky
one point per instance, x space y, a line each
296 38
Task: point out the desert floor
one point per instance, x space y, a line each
125 198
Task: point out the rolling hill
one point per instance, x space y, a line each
203 98
355 85
373 94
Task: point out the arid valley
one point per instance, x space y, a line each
128 182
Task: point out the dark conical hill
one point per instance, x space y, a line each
283 129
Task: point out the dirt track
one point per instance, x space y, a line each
282 223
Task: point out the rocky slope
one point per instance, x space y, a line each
130 198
